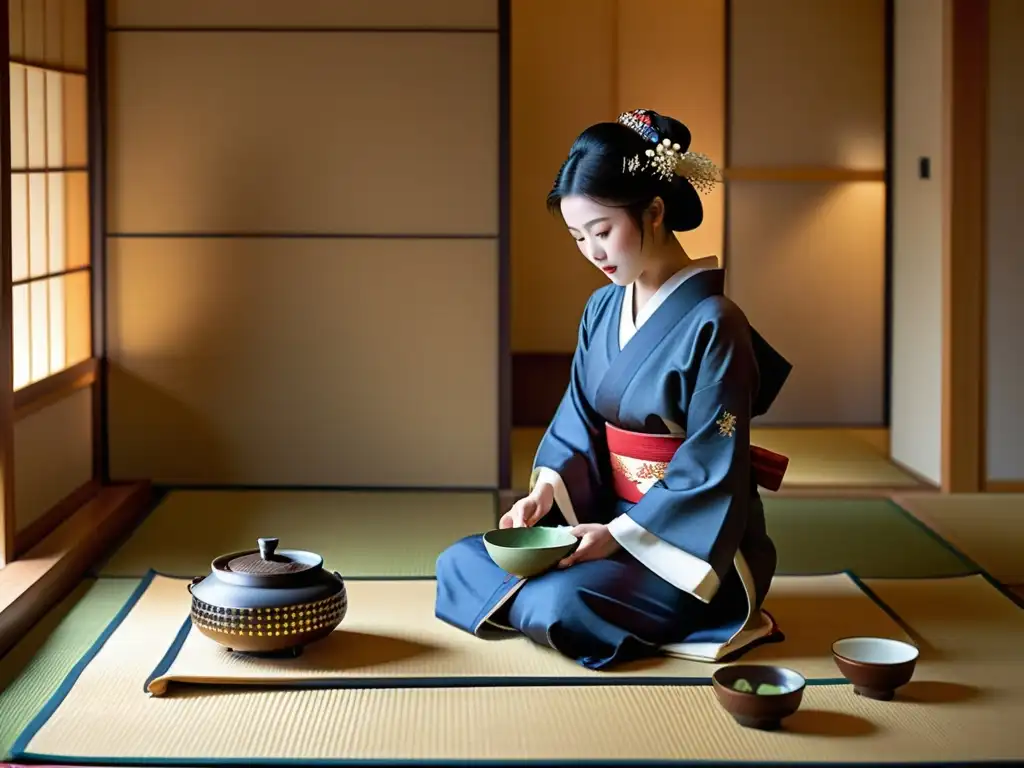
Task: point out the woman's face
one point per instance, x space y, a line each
607 236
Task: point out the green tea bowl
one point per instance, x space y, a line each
528 551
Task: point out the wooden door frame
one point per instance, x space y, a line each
7 522
965 146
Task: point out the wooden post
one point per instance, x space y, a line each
964 254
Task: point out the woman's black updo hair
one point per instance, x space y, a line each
595 169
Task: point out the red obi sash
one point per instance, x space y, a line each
640 460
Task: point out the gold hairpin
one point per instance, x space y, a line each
667 161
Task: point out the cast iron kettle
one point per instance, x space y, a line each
265 601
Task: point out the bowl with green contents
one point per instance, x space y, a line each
758 695
529 551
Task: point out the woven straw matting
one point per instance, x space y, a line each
966 703
986 527
359 533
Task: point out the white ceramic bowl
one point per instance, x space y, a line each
876 666
875 650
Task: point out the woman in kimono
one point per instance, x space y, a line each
648 456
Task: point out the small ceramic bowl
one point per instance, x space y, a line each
528 551
781 691
876 666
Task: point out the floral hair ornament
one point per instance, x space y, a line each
666 160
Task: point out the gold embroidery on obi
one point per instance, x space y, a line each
641 473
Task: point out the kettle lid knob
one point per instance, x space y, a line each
267 547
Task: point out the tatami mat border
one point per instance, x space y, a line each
37 722
504 763
457 682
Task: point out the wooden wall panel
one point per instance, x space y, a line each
563 73
303 362
806 257
52 455
330 132
806 263
807 83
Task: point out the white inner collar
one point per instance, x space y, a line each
628 326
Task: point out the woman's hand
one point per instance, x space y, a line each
595 543
529 510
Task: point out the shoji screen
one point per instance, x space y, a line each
806 199
50 251
303 242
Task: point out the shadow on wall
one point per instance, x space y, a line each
166 401
151 427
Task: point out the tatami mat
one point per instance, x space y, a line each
391 637
965 704
872 538
398 533
869 537
819 458
957 623
33 670
371 533
987 528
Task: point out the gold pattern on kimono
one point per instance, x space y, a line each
726 424
643 474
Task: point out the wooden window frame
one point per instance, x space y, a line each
7 522
42 563
16 405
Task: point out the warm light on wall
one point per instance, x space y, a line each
49 209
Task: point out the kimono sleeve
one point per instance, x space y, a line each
568 455
687 528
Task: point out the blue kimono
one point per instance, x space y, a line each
695 560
